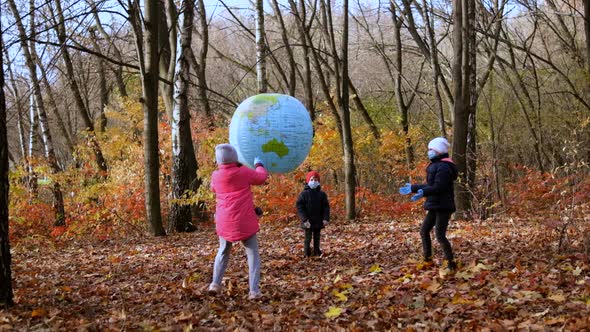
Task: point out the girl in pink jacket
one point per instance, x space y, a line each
235 217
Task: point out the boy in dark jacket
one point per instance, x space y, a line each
313 210
440 198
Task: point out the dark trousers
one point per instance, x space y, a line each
315 233
440 221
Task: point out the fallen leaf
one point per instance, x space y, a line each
434 286
39 312
340 295
333 312
559 298
542 313
375 269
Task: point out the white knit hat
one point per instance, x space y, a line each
440 145
225 154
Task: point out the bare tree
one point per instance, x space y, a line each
200 66
83 111
348 147
300 12
117 69
261 77
587 32
399 95
18 103
104 92
146 37
6 295
38 109
184 163
460 108
292 83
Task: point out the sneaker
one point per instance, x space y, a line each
254 295
214 289
450 265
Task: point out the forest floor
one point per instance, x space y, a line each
511 277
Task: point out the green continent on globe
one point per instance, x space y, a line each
265 98
276 146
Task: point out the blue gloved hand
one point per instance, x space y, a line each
419 195
406 189
258 161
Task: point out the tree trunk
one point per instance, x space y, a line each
33 130
184 163
471 98
53 105
587 33
261 78
301 15
104 92
37 104
149 80
323 80
349 169
460 109
168 36
58 200
201 66
436 74
292 83
70 75
401 104
6 296
19 106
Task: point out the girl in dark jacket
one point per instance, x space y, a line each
313 210
440 198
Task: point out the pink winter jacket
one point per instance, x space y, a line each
234 213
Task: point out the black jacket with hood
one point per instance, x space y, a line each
439 188
313 205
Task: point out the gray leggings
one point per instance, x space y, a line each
222 258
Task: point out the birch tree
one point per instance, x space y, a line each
38 107
184 163
82 107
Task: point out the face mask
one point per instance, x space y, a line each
313 184
431 154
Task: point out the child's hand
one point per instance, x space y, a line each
258 161
406 189
325 223
306 224
419 195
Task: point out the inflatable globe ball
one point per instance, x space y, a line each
275 127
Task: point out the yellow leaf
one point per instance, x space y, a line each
375 269
338 278
457 299
577 271
333 312
559 298
341 296
345 286
39 312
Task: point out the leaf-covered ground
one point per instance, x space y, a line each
511 278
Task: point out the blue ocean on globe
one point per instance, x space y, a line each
274 127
